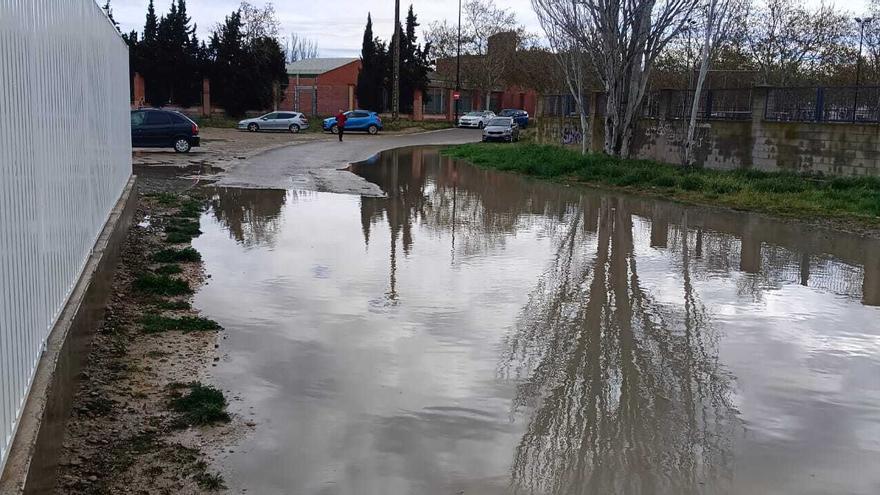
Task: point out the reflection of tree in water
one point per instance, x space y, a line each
628 394
478 207
251 215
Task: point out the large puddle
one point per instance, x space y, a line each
482 333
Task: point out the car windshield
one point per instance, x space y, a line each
507 113
474 114
500 122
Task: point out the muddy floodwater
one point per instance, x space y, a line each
481 333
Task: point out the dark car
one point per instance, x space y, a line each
152 128
521 117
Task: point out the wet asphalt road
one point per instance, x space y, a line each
319 165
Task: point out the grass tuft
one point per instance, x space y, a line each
784 193
174 305
168 270
161 285
200 405
153 323
185 255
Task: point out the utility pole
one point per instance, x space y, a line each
862 23
395 91
458 66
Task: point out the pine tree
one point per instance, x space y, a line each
369 82
109 11
151 27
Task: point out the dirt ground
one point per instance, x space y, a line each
125 435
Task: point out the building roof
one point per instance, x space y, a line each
317 66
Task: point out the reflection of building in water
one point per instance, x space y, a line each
627 393
481 209
251 215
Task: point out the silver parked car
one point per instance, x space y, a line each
501 129
476 120
276 121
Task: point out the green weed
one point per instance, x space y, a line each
200 405
161 285
153 323
172 255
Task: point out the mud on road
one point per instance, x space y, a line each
127 433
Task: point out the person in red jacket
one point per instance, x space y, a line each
340 123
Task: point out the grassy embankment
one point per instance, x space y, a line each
854 199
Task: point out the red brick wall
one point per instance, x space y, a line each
333 90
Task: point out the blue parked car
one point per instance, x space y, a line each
521 117
356 120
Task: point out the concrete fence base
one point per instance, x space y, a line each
32 464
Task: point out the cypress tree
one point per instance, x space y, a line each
369 93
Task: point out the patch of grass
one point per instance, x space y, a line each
153 323
164 198
210 482
183 226
221 121
178 238
426 125
168 270
783 193
161 285
174 305
185 255
191 208
199 405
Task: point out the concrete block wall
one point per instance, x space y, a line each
829 148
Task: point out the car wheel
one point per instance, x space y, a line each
334 129
294 128
181 145
253 127
373 129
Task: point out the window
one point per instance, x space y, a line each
178 119
286 116
270 116
137 119
434 102
157 118
359 114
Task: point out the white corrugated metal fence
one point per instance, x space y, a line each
65 157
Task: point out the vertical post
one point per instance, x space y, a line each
206 97
458 65
395 95
296 95
709 100
820 105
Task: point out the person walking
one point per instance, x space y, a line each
340 123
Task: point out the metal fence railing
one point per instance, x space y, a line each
65 157
717 104
821 104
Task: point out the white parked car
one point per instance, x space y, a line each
276 121
476 120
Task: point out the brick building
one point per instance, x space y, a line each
321 86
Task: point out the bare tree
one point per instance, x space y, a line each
482 20
623 39
259 22
574 62
300 48
715 20
787 40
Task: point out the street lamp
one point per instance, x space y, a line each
458 66
862 22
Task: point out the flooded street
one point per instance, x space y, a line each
483 333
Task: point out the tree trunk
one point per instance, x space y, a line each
695 105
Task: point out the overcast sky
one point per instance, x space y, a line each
338 25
